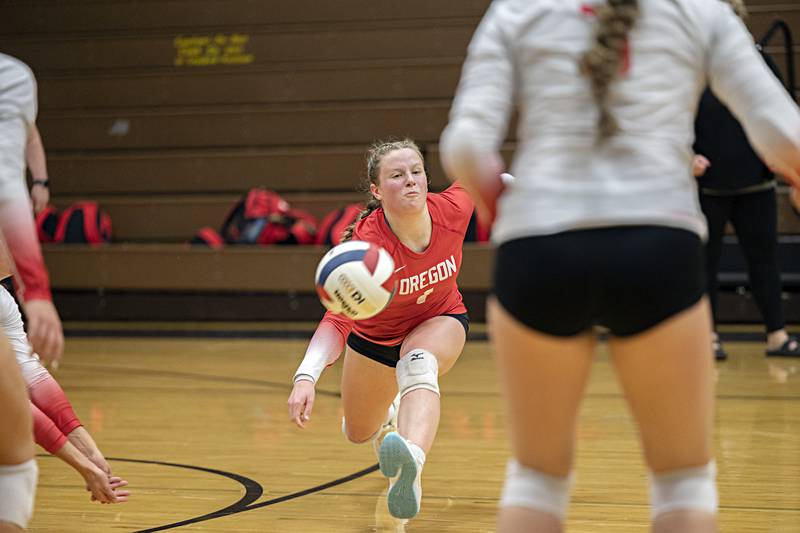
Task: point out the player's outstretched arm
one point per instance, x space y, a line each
323 350
104 489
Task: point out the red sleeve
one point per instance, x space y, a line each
457 207
45 432
19 230
342 324
458 197
47 395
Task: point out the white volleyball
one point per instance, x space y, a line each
356 279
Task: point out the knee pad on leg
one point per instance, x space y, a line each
419 369
18 488
531 489
688 488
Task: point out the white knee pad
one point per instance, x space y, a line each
688 488
531 489
419 369
17 491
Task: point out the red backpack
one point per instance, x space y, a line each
293 227
46 223
333 225
251 216
263 217
84 223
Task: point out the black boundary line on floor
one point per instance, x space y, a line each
193 375
252 491
323 392
736 336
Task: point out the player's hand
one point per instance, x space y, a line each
301 401
787 172
104 489
486 194
44 329
699 165
116 484
40 197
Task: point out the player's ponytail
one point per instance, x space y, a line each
602 62
372 205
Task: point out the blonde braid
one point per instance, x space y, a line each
602 62
375 155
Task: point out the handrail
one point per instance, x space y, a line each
788 46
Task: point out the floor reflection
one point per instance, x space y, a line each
384 521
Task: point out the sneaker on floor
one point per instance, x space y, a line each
397 460
790 348
719 353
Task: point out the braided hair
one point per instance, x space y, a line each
601 63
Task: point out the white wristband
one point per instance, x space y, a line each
312 366
304 377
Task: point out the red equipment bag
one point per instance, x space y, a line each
333 225
251 215
83 222
46 223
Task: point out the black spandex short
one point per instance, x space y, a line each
390 355
627 279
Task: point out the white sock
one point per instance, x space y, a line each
418 453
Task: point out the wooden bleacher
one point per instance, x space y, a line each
166 146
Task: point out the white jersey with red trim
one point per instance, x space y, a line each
17 228
527 55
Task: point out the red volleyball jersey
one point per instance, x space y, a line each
426 282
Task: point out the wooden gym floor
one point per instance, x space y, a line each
198 426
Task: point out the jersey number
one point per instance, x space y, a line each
421 299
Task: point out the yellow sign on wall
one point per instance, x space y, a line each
208 50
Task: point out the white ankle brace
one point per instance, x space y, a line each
529 488
688 488
17 492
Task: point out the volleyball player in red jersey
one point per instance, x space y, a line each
415 339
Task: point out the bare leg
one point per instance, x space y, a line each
667 375
368 389
16 436
543 379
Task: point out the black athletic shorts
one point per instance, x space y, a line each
390 355
626 278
